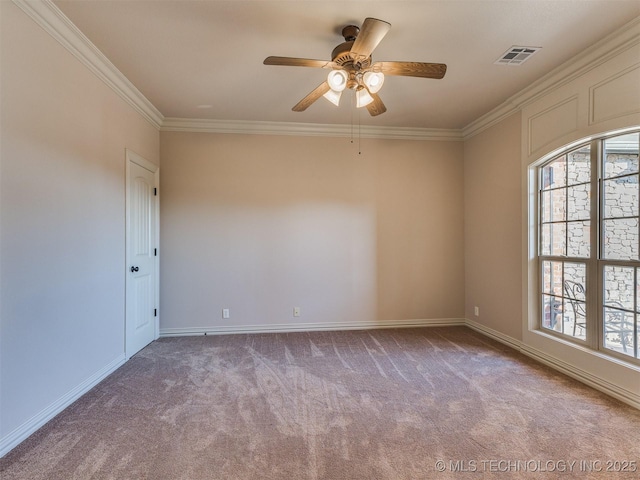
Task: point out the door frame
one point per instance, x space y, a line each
132 157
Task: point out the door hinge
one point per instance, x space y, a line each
155 312
155 252
155 191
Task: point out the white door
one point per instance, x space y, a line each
142 265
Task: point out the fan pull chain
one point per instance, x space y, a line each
359 134
353 107
352 97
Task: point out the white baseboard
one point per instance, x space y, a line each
310 327
626 396
496 335
18 435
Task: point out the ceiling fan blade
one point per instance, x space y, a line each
411 69
376 107
319 91
371 33
299 62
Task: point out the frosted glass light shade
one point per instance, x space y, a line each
333 97
363 98
337 80
373 81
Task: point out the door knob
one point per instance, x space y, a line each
134 269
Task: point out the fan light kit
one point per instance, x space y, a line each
337 80
352 67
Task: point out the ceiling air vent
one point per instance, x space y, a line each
516 55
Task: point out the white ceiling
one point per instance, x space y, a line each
203 59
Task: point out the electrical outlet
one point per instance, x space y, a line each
476 311
225 313
296 311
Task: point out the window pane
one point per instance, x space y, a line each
545 240
618 287
552 308
638 290
575 278
620 239
621 155
579 202
554 239
579 239
554 174
579 166
554 205
575 319
575 310
618 330
621 197
567 224
637 339
552 278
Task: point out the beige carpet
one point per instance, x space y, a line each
383 404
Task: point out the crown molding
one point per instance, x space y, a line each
171 124
48 16
622 39
626 37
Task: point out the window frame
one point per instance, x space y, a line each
595 264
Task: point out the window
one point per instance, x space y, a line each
589 245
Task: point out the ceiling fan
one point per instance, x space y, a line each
352 67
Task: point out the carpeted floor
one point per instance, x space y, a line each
381 404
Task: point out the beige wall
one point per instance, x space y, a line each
62 164
409 230
492 222
260 224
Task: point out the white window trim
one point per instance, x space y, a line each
595 264
616 377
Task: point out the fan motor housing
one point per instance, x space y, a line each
342 56
342 53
